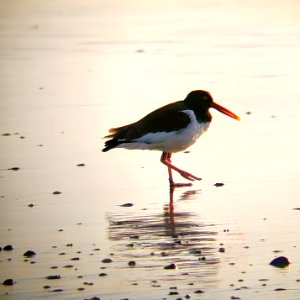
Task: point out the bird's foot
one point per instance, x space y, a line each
175 184
188 176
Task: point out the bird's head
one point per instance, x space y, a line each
201 101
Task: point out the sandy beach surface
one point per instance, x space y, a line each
100 225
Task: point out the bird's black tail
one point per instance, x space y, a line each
110 144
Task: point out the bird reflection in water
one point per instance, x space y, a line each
174 233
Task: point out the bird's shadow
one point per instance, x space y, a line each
173 232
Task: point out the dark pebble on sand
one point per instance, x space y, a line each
218 184
46 287
280 262
80 165
53 277
126 205
173 293
107 260
199 292
222 250
68 266
93 298
31 205
170 267
132 263
8 282
75 258
57 290
6 134
14 169
279 290
102 274
135 237
8 248
195 251
29 254
56 193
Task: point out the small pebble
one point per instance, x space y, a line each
8 282
221 249
170 267
29 254
52 277
173 293
132 263
126 205
14 169
80 165
218 184
106 260
56 193
75 258
8 248
280 262
46 287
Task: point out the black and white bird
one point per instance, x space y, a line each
170 129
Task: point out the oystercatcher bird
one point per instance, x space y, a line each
170 129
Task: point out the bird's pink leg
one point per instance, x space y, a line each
166 160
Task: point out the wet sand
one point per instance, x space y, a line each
101 224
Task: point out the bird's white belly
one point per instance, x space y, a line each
174 141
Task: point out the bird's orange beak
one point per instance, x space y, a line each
224 111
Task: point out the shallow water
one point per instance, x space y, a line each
71 70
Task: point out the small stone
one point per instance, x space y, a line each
195 251
53 277
14 169
57 290
75 258
218 184
173 293
280 289
80 165
102 274
280 262
107 260
221 249
56 193
8 282
199 292
170 267
46 287
29 254
68 266
8 248
132 263
134 237
126 205
31 205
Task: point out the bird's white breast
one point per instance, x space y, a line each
174 141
